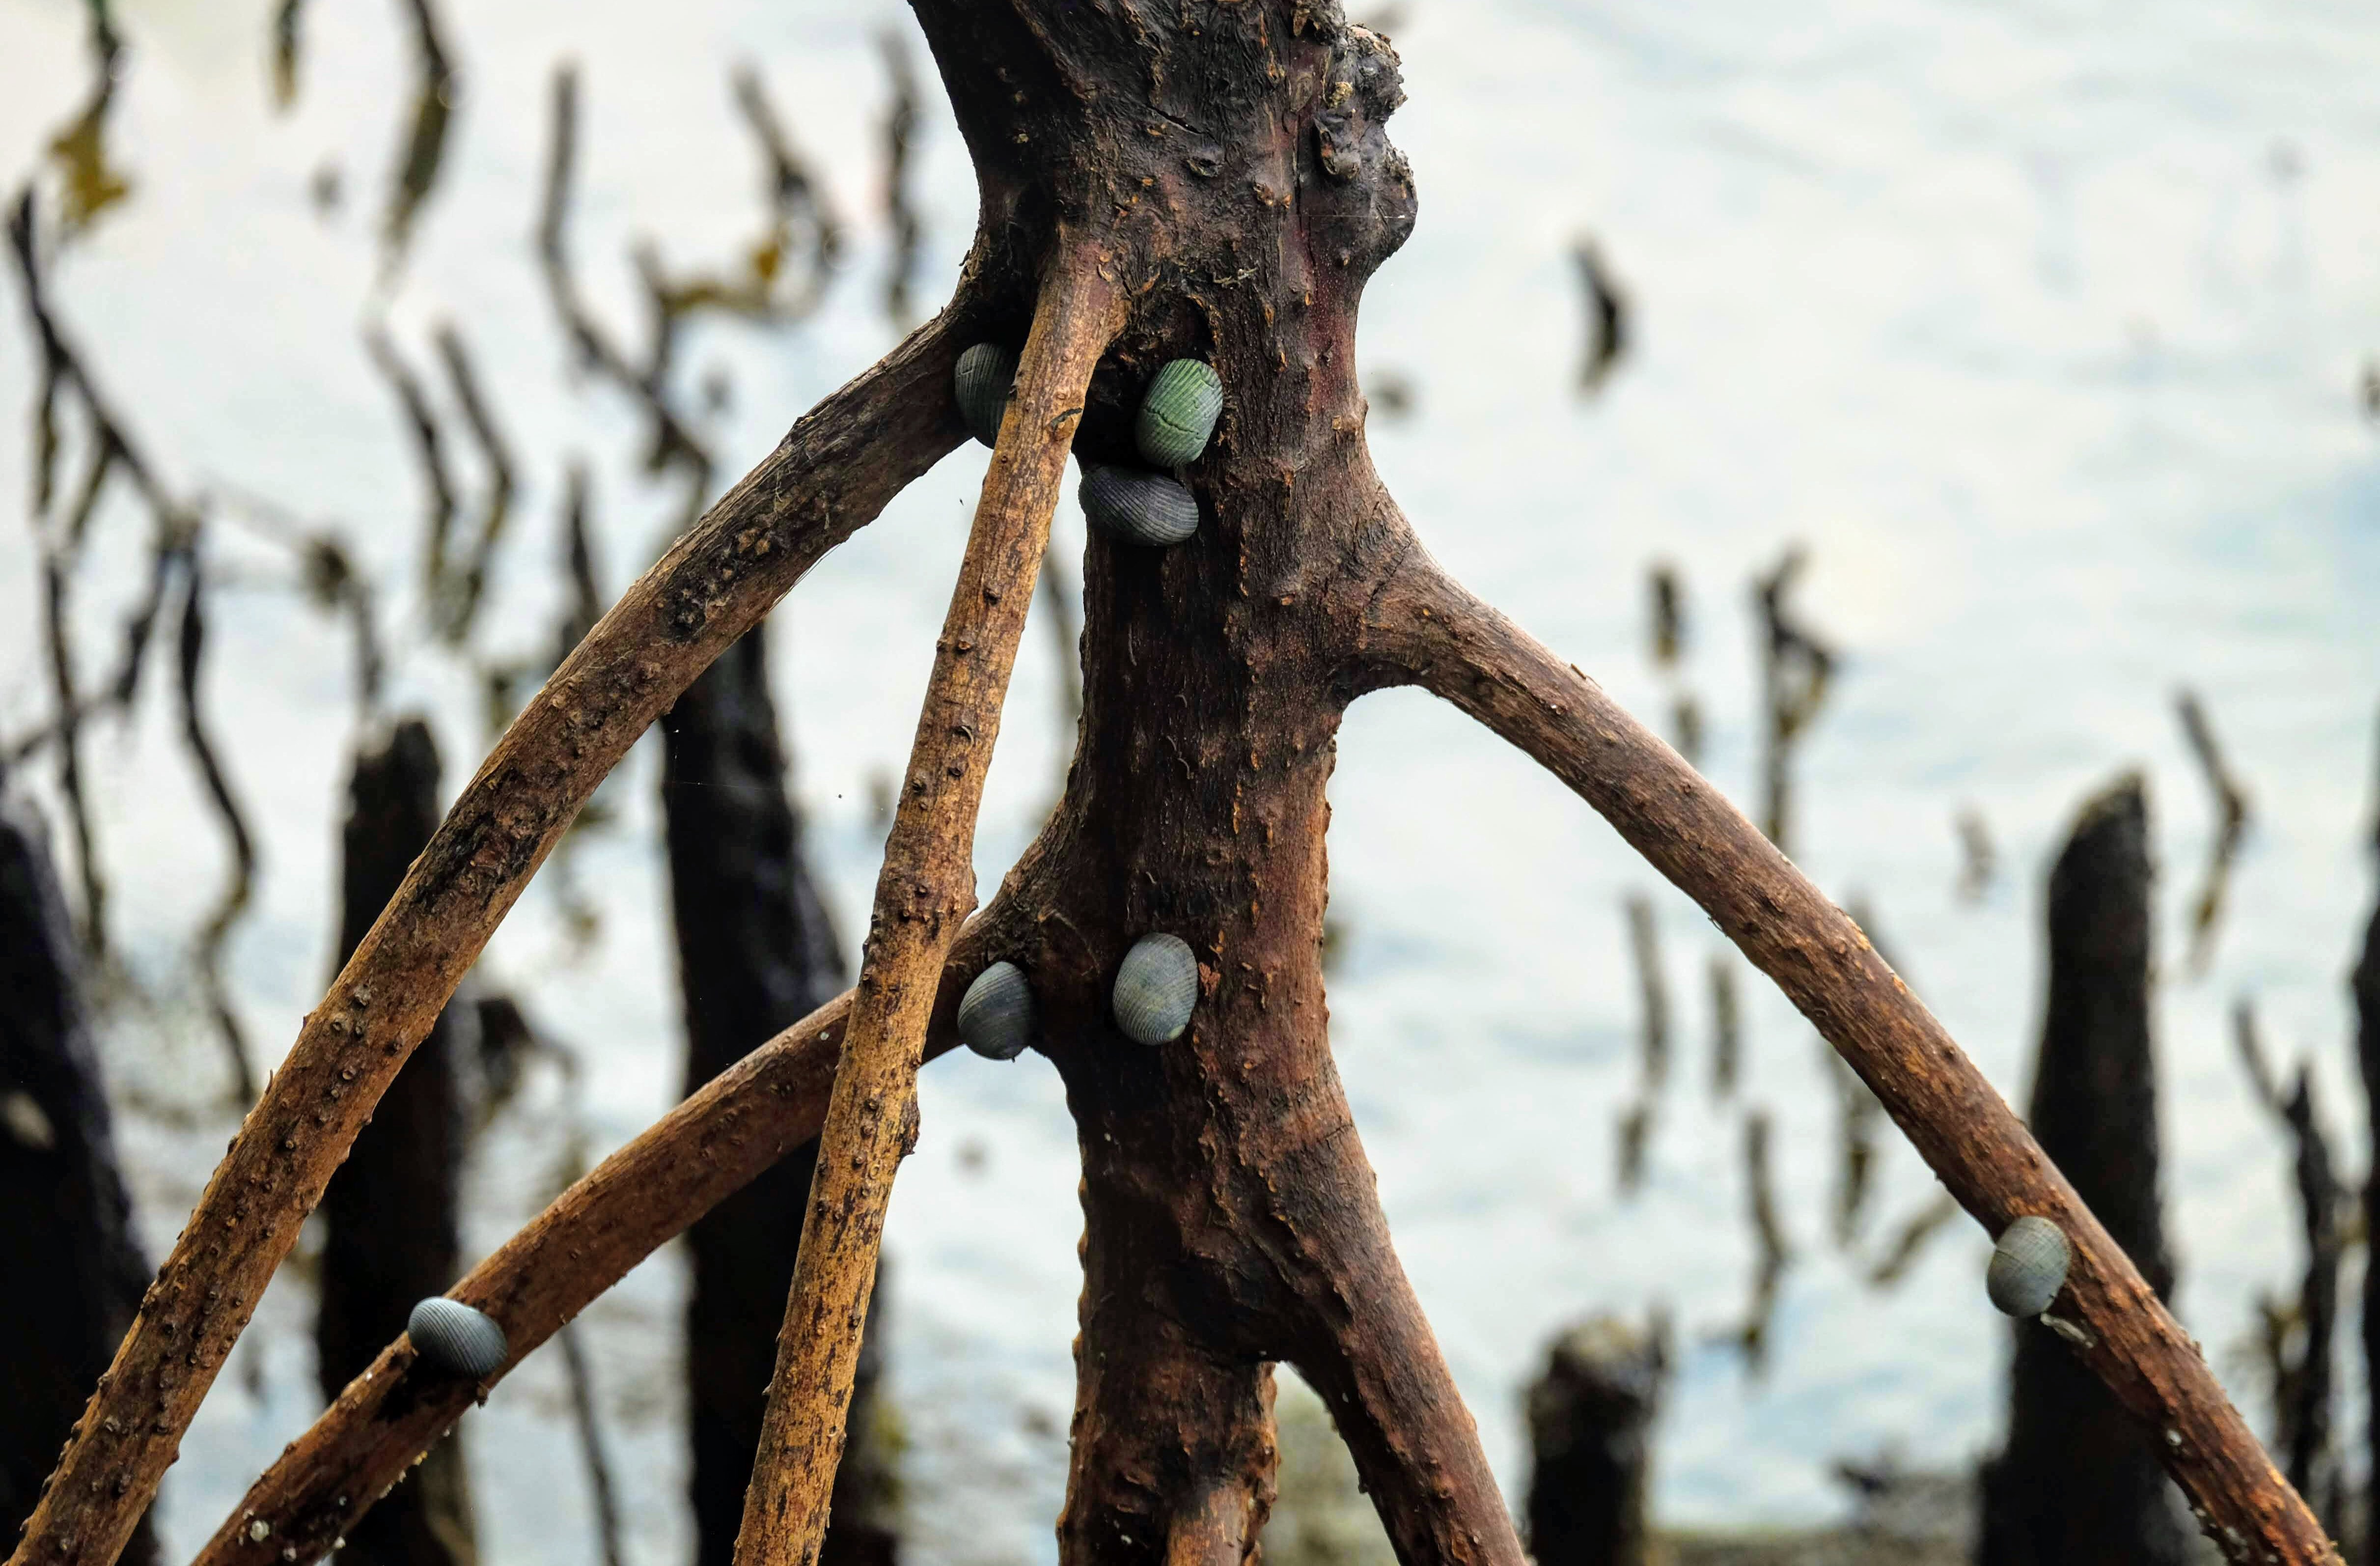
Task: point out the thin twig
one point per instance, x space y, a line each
921 895
590 1445
1795 668
2231 812
1909 1243
461 586
1775 1252
435 89
242 885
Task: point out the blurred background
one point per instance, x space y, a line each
1900 407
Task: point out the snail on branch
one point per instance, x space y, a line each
452 1337
996 1013
1155 990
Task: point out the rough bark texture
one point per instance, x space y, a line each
1230 165
1590 1430
834 472
74 1272
390 1212
755 954
1427 630
2365 983
926 888
2077 1483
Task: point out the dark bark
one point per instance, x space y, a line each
2078 1482
2305 1411
757 953
389 1230
2365 983
1590 1429
74 1274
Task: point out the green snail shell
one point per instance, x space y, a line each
1138 507
1155 990
986 375
2028 1266
996 1014
1179 413
452 1337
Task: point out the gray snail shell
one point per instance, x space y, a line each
451 1336
1141 508
985 376
1179 413
1155 990
996 1014
2028 1266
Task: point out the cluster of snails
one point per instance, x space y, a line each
453 1338
1177 419
1155 992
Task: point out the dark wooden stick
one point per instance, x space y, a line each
2077 1479
924 890
832 473
66 1221
1430 631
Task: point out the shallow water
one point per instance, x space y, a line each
2039 326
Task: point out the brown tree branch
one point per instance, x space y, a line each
924 890
1427 630
714 1143
832 473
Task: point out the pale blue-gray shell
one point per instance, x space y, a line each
1155 990
1138 507
451 1336
2028 1266
1179 413
996 1013
985 375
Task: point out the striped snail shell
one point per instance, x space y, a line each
452 1337
1179 413
996 1013
2028 1266
986 375
1141 508
1155 988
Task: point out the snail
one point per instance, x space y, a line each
1141 508
451 1336
2028 1266
1179 413
1155 988
986 375
996 1014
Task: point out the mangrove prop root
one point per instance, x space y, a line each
926 888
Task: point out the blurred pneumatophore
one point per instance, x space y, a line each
288 42
1775 1252
2364 985
1979 862
1607 315
1795 667
899 138
2231 824
2297 1335
1667 590
672 443
66 1246
436 89
2078 1480
1653 1039
458 583
89 183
